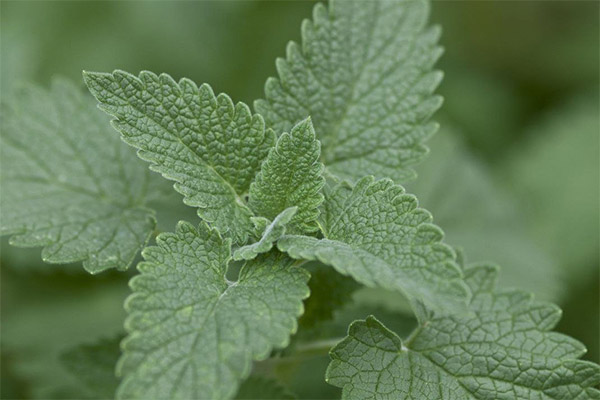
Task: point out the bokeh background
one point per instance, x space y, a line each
512 177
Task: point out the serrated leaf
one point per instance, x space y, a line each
364 75
504 351
192 333
68 183
377 234
210 147
480 215
291 176
94 365
270 235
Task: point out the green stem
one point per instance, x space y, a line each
299 263
317 347
301 351
414 334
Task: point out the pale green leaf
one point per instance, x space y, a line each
270 235
68 183
210 147
562 150
481 216
377 234
291 176
193 333
94 366
364 75
505 350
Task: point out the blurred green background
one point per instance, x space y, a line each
512 177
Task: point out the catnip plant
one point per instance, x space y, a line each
312 174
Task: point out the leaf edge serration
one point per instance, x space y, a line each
368 185
239 234
280 339
21 237
545 315
297 52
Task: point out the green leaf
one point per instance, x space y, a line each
376 234
291 176
503 351
210 147
94 365
68 183
481 216
192 333
564 221
364 75
270 235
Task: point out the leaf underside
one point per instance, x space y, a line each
270 235
194 334
69 184
377 234
504 351
210 147
364 75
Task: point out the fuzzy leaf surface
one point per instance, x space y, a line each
70 185
505 350
377 234
210 147
291 176
193 333
364 75
270 235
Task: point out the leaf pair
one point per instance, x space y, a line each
375 233
505 350
214 150
362 73
69 184
194 334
